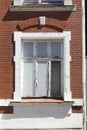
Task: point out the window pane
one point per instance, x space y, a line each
48 1
55 49
52 1
41 49
55 78
42 79
28 79
28 49
30 1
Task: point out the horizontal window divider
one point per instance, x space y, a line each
26 3
42 59
41 40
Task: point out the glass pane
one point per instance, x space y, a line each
55 49
42 79
28 49
41 49
55 79
53 1
30 1
48 1
28 79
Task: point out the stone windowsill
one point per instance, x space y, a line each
43 7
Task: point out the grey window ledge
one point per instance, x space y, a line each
43 7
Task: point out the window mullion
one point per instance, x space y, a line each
36 81
39 1
22 50
49 79
35 69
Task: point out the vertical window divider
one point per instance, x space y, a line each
22 76
36 78
49 80
39 1
49 69
22 52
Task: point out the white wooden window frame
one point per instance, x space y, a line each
20 2
65 36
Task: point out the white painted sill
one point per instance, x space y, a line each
51 101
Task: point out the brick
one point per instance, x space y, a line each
6 110
77 109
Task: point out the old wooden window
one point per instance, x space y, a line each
41 68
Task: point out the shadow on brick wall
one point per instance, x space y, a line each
16 16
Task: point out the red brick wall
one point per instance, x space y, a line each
6 109
28 22
77 109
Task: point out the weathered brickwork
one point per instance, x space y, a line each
28 22
77 109
6 110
